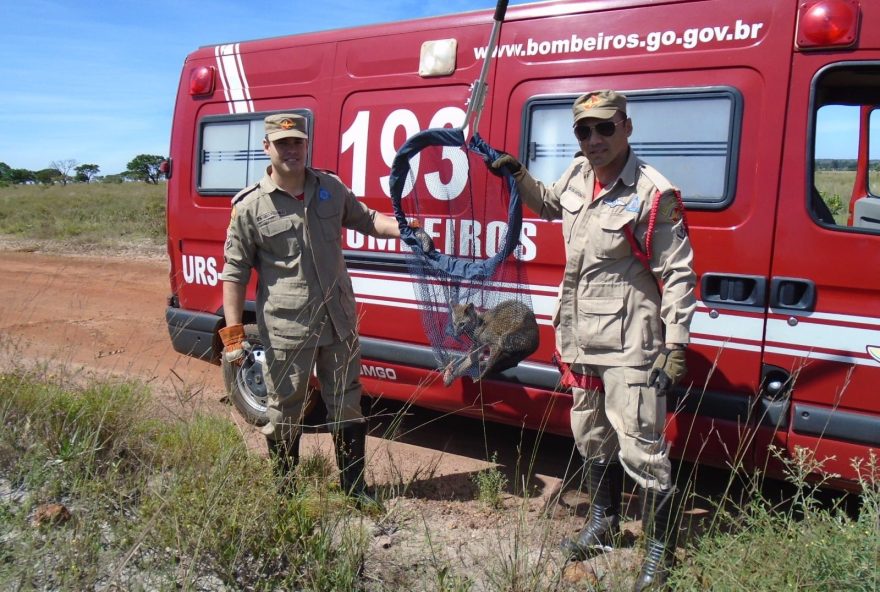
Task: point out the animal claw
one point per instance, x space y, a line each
448 375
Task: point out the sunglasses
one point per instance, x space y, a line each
606 128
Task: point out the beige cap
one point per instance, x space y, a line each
601 104
285 125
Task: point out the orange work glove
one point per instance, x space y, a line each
234 343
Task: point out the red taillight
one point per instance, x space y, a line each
201 81
827 23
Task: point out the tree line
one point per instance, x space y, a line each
143 167
843 164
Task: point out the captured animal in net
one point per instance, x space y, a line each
463 226
501 338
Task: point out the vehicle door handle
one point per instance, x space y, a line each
731 288
792 293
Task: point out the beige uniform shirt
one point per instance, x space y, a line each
610 310
295 247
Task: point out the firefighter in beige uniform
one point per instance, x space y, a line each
288 228
613 321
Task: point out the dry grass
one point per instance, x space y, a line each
95 216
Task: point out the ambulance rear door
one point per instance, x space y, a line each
822 354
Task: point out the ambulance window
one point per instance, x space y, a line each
690 137
874 153
845 189
231 153
837 141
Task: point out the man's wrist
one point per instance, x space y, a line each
675 346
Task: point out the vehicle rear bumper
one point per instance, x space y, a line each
194 333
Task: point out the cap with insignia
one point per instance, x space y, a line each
599 104
285 125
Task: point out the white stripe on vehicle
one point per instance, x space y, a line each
725 344
222 73
728 325
731 329
235 86
827 316
400 292
245 85
821 335
405 277
814 355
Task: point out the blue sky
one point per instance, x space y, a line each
96 81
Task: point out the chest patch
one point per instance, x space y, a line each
613 202
268 216
633 205
575 191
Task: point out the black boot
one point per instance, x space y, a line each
285 456
350 443
660 514
605 484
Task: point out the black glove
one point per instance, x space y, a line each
506 163
668 369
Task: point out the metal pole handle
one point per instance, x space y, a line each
478 91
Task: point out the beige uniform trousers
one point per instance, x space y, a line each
337 366
625 423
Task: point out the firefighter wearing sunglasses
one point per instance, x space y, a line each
624 312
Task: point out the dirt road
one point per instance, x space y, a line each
106 314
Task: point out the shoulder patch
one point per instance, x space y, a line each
244 192
671 208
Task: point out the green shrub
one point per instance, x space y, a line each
490 484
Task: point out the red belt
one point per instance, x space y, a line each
571 378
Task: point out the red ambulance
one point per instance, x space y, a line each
764 112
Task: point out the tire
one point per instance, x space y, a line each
246 386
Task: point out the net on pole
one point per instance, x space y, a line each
464 234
